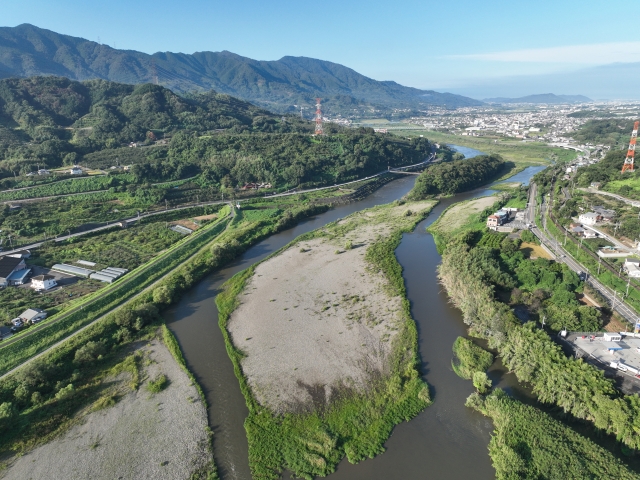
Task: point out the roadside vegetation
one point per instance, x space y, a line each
355 424
487 276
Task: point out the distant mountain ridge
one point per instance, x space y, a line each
542 98
27 50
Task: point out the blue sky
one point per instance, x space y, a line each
426 44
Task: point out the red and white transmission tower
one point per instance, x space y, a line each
628 161
319 130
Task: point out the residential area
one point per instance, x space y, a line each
61 281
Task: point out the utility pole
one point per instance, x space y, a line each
543 319
599 263
565 237
628 283
166 205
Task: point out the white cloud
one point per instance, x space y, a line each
596 54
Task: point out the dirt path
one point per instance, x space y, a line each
144 436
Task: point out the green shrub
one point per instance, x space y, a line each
481 382
90 352
65 392
469 358
158 384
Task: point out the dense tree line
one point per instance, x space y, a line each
457 176
472 278
530 444
283 159
62 122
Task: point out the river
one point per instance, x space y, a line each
447 440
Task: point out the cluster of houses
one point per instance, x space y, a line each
14 271
255 186
75 170
499 220
598 215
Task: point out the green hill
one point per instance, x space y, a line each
27 50
51 120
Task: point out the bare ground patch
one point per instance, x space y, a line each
533 251
457 215
143 436
316 320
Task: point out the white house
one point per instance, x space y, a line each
33 315
75 170
632 267
589 218
43 282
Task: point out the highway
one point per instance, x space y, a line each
615 299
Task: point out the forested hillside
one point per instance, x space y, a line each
457 176
278 85
53 121
614 132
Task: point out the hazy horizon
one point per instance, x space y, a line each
504 49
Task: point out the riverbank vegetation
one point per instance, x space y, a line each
356 422
486 282
530 444
41 400
522 154
469 358
457 176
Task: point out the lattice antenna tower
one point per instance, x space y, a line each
319 130
154 73
628 161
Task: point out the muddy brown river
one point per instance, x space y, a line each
447 440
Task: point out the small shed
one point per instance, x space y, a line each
612 337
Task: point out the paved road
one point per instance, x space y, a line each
563 256
111 225
613 240
634 203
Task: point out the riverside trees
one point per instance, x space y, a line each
457 176
469 275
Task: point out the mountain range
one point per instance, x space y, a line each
542 98
281 85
